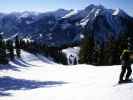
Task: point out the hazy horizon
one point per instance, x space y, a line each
9 6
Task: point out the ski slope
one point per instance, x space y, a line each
34 77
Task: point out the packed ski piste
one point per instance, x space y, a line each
35 77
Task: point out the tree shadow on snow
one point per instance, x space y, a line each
18 64
9 83
22 63
9 67
42 58
4 94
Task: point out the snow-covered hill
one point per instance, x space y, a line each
36 79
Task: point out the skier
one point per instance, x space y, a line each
126 66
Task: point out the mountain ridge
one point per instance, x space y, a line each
65 26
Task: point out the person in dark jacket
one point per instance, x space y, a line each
126 66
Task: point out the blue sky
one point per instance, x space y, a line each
50 5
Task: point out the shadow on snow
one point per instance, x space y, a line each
22 63
44 59
9 83
8 67
16 64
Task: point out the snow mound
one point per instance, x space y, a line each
73 51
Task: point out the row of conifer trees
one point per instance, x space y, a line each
91 51
9 49
102 53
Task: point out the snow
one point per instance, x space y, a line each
71 51
71 54
97 12
27 14
81 36
91 16
1 33
116 12
73 12
24 15
37 79
49 36
27 39
11 37
40 35
84 22
29 22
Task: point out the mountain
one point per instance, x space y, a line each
103 22
66 26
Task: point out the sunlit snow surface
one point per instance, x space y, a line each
116 12
38 78
73 12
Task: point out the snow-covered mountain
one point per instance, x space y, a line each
66 26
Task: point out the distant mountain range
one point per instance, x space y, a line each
66 26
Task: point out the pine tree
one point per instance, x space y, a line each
109 50
10 49
101 53
96 58
61 57
17 47
3 54
87 49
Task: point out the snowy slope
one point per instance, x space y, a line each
58 82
